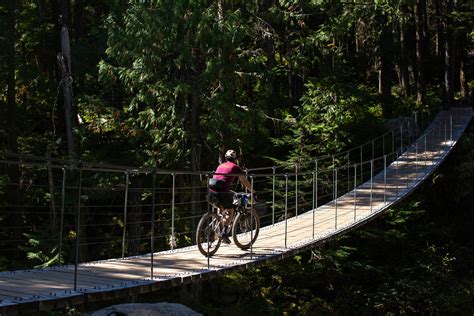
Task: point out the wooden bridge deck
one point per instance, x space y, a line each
32 290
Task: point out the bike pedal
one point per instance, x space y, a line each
226 240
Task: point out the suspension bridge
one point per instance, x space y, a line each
150 216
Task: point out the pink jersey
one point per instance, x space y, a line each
227 168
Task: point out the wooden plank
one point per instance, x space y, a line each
10 293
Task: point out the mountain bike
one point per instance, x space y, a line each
245 225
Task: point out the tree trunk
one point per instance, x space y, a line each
12 142
461 44
404 74
420 51
448 59
466 100
64 60
439 30
13 171
220 12
385 82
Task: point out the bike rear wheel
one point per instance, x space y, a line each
245 229
207 234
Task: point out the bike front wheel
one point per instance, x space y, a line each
207 234
245 229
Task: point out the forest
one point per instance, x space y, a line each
173 84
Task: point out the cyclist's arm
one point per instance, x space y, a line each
246 183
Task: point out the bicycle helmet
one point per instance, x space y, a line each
231 155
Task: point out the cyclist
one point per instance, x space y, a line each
219 188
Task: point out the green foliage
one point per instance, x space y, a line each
333 116
178 67
38 249
35 91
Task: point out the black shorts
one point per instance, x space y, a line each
225 198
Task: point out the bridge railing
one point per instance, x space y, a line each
63 212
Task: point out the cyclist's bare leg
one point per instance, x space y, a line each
228 215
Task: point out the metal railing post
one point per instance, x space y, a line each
63 201
316 195
383 144
173 197
78 234
273 197
335 195
385 179
152 241
251 217
348 172
445 133
125 204
361 163
371 182
333 179
416 160
426 153
440 136
373 149
393 140
296 189
401 138
407 180
416 125
286 208
398 172
450 127
355 192
314 185
208 230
